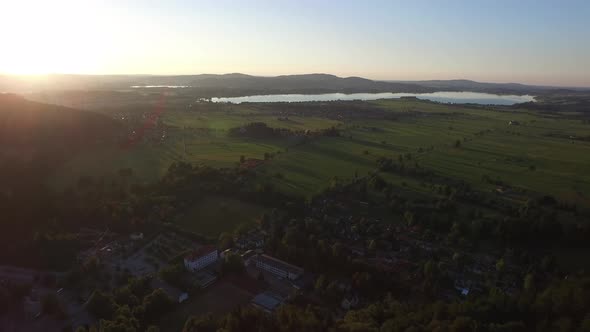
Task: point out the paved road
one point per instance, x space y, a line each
23 274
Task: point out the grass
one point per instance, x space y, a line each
218 299
194 137
502 152
213 215
489 146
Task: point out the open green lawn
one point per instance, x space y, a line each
213 215
218 299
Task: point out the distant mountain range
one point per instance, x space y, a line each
236 83
468 85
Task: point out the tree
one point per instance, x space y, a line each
226 241
156 304
50 304
372 246
459 260
430 270
242 159
123 296
139 286
320 283
124 321
201 324
457 143
378 183
232 264
463 324
101 305
337 249
529 282
500 265
172 274
409 218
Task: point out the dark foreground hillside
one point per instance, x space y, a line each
35 139
26 124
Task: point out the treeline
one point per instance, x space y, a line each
258 130
133 307
562 306
539 222
185 182
40 226
261 130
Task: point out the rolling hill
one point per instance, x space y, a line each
40 136
230 84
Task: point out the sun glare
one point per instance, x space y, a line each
53 37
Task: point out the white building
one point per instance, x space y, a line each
276 266
201 258
136 236
349 302
247 256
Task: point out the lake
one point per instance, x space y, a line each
441 97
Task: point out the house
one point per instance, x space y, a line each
247 256
172 292
204 278
182 297
200 258
349 302
225 253
136 236
267 301
276 266
250 240
463 286
357 251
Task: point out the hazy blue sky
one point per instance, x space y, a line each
542 42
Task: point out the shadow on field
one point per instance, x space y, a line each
376 145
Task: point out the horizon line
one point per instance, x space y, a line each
545 85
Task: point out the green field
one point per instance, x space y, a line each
213 215
535 155
217 300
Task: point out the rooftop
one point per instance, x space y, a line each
267 301
248 254
279 264
200 252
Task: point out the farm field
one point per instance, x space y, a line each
524 155
536 155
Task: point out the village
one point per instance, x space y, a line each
204 277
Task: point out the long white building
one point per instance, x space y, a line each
276 266
201 258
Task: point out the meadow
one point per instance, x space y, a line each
536 155
540 154
213 215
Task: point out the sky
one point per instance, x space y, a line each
535 42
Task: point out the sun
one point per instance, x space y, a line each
54 37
